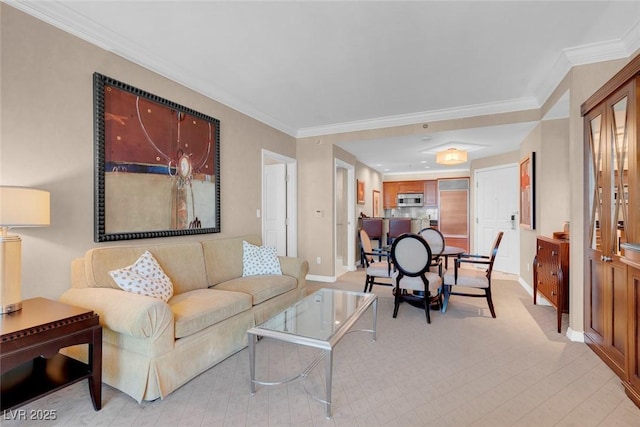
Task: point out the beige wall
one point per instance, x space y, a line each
46 141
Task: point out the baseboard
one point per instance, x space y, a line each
326 279
575 335
540 300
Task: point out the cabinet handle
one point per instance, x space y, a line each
553 273
554 253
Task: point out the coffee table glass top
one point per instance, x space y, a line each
321 316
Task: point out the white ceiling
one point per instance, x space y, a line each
314 68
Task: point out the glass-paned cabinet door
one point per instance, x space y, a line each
619 164
596 146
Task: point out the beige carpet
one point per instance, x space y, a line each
464 369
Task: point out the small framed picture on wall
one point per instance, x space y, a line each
360 191
527 192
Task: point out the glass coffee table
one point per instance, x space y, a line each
320 320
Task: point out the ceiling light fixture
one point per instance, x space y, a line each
452 156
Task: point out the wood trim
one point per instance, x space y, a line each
628 72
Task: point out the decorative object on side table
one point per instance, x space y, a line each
19 207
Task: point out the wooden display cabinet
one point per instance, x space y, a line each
612 220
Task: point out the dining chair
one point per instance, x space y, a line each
374 269
373 227
412 260
472 276
436 242
397 226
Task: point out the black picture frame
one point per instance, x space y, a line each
157 165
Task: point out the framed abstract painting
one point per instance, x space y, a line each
157 165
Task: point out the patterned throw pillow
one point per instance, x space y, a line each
259 260
144 277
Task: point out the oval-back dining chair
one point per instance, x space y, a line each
412 261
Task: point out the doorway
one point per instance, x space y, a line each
279 203
344 221
497 197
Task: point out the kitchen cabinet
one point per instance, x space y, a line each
612 194
551 274
390 194
410 186
431 193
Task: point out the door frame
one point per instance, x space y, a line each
351 209
292 198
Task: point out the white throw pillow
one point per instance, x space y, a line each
259 260
144 277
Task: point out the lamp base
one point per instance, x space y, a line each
10 308
10 266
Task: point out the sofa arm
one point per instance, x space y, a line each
295 267
124 312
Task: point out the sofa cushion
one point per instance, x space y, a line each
182 262
198 309
223 257
261 288
258 260
144 277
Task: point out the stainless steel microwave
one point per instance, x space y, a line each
410 199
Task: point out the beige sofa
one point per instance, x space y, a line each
150 348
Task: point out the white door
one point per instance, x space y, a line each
275 207
344 217
497 195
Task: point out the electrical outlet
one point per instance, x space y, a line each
318 260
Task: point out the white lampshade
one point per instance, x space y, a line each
19 207
23 207
452 156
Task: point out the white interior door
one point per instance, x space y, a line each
497 210
275 207
344 217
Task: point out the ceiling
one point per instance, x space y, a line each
316 68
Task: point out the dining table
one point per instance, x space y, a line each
451 251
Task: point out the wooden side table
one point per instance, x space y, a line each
30 363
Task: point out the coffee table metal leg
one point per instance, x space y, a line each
329 374
252 362
375 317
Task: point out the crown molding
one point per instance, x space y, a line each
588 54
508 106
67 20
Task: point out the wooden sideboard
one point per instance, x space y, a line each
551 274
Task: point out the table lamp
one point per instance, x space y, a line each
19 207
